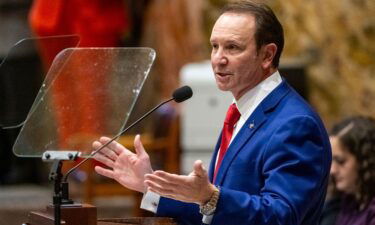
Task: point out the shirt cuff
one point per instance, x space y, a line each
150 201
207 219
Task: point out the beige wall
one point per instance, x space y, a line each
337 37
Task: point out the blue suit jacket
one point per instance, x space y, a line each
275 170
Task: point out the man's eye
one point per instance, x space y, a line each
214 46
232 47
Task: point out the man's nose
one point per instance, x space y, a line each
219 58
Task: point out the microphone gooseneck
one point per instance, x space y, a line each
179 95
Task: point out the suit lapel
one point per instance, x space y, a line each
249 128
213 159
253 123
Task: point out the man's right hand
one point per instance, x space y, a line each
125 167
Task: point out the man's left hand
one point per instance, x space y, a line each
195 187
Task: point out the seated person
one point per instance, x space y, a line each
353 169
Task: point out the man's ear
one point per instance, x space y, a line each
268 53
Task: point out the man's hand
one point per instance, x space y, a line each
194 188
125 167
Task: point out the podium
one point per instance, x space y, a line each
86 214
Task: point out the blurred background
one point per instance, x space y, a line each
329 58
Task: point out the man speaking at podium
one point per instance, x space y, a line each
272 159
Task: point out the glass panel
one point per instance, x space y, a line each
88 93
22 73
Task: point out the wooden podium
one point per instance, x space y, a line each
86 214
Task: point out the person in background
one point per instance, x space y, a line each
353 169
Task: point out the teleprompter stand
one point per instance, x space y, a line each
63 211
87 93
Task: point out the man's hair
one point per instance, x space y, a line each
357 136
268 28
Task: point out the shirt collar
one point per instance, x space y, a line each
251 99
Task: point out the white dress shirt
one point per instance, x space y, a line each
246 106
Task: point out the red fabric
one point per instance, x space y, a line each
233 115
98 23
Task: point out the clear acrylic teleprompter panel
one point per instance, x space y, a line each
22 73
88 93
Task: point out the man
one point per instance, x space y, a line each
272 159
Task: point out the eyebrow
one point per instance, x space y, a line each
230 41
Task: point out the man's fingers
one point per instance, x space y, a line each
167 193
139 149
105 151
103 159
96 145
160 181
104 172
171 178
155 187
113 150
114 145
199 170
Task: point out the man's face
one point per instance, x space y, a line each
234 58
344 168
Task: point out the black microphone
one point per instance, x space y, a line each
183 93
179 95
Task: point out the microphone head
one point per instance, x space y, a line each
183 93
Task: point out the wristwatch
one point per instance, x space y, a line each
210 207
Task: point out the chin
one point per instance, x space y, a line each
222 87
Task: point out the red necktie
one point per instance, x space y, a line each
233 115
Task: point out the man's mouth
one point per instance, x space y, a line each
223 74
